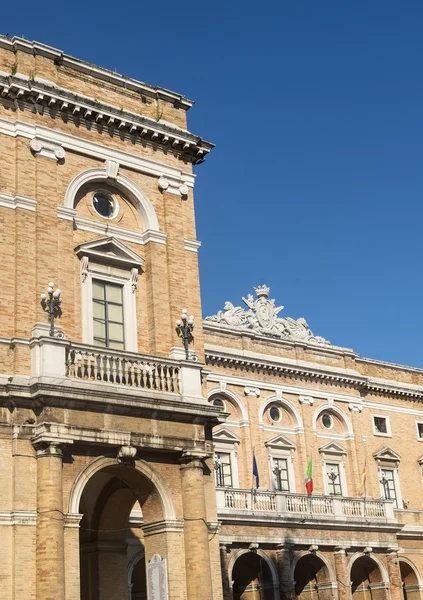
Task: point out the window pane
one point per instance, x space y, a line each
98 310
98 290
115 313
114 294
223 469
99 329
380 424
333 478
116 332
117 345
280 473
420 428
101 343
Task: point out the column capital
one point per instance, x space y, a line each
392 550
193 459
340 550
48 449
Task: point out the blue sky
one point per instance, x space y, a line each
316 184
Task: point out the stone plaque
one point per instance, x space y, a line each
157 579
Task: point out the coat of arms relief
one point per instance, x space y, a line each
262 317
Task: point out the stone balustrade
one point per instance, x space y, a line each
232 501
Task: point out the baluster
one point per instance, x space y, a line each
163 385
107 367
125 372
119 369
168 371
96 358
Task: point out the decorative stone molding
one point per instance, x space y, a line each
248 391
126 454
112 169
17 201
191 245
355 407
173 186
84 268
18 517
134 279
262 317
48 449
47 149
306 400
223 386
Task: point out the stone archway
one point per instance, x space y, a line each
253 577
109 537
410 580
367 579
312 578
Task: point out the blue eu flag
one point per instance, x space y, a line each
255 471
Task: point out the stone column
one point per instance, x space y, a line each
342 579
196 538
50 522
394 573
286 581
226 584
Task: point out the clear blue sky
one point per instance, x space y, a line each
316 184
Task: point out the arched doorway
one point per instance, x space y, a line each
252 578
116 502
410 581
366 580
312 579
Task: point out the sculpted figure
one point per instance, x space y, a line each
231 315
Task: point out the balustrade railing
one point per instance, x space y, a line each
122 368
300 504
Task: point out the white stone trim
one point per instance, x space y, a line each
334 410
16 201
99 463
228 446
18 517
383 571
286 453
95 150
217 391
126 235
122 182
298 556
333 453
289 407
388 425
129 307
191 245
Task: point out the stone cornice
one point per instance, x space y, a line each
51 99
16 44
86 395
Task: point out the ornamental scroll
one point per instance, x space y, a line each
157 579
262 318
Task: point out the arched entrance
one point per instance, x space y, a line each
312 579
367 580
117 501
410 581
252 578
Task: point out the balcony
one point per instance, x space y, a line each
243 504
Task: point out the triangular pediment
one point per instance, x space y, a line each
387 454
226 436
109 251
281 442
332 448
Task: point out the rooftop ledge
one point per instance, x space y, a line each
15 44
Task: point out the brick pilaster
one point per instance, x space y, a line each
226 584
394 573
284 564
197 554
50 534
344 587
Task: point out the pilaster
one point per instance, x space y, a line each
344 587
284 564
394 573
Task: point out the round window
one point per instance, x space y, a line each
327 421
275 413
104 205
218 402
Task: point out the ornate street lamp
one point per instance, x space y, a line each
184 328
51 305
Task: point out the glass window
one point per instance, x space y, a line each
275 413
327 421
218 402
387 481
104 205
420 430
223 469
380 424
108 315
333 479
280 474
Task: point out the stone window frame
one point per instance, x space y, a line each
226 442
280 447
419 438
388 459
388 425
333 453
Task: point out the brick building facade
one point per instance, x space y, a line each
118 453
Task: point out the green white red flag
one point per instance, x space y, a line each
308 481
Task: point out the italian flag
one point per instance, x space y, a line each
308 481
